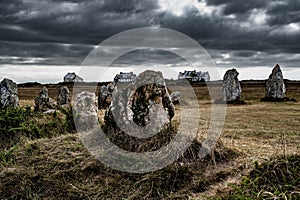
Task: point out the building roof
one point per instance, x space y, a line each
125 76
72 76
194 75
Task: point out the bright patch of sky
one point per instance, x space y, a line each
55 74
178 7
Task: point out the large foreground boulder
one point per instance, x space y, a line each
8 94
43 102
275 87
143 103
231 86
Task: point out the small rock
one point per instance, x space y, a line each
8 94
175 97
43 102
50 111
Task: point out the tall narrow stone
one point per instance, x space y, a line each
231 86
8 94
63 98
105 96
275 87
85 111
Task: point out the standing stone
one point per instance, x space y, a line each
231 86
143 103
63 98
275 87
8 94
85 107
43 102
105 96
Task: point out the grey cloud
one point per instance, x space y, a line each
238 6
241 6
246 54
146 56
86 22
64 31
286 12
47 53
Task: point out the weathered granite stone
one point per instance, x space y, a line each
275 87
43 102
85 110
8 94
231 86
63 98
143 103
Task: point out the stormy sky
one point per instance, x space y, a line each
43 37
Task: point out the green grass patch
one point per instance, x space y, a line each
21 124
277 179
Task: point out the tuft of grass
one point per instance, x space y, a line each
23 123
7 156
278 178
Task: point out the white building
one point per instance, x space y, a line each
125 77
194 76
72 77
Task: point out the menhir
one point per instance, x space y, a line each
43 102
231 86
8 94
63 99
143 103
275 87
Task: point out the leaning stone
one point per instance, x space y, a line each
231 87
8 94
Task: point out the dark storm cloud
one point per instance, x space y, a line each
286 12
238 6
246 54
37 28
42 53
145 56
64 31
71 21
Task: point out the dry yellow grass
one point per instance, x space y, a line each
259 130
263 128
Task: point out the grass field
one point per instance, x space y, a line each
254 134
